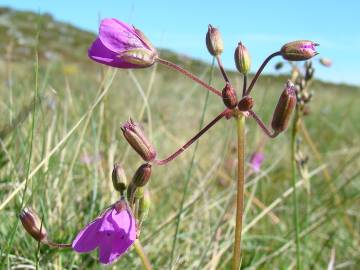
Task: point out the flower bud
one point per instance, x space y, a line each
119 178
246 103
325 62
284 108
139 193
144 206
137 139
299 50
279 65
214 42
242 59
142 175
229 96
33 225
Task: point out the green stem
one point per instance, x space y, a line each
140 251
188 175
240 124
295 202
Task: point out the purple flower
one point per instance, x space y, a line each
122 45
113 233
299 50
256 161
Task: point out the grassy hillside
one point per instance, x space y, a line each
76 140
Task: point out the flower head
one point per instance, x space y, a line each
113 233
256 160
299 50
122 45
325 62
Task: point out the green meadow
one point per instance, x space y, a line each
60 137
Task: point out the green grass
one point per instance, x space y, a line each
68 192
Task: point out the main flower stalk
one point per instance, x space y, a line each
240 124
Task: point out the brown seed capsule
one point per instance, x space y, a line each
299 50
119 178
33 225
137 139
229 96
246 103
284 108
142 175
214 42
242 59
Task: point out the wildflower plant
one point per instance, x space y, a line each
123 46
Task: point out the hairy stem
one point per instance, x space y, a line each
240 123
261 124
293 174
221 67
188 74
260 70
140 251
192 140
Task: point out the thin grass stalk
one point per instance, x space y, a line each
31 141
293 177
188 175
240 124
140 251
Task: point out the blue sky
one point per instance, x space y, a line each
263 26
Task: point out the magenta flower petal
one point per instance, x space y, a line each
99 53
113 233
256 161
118 36
87 239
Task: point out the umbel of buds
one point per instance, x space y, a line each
119 178
229 96
33 225
137 139
284 108
299 50
242 59
214 42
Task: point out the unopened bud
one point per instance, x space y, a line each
279 65
139 193
137 139
33 225
142 175
325 62
284 108
299 50
229 96
214 42
119 178
144 206
246 103
242 59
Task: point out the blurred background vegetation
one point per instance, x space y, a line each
75 145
